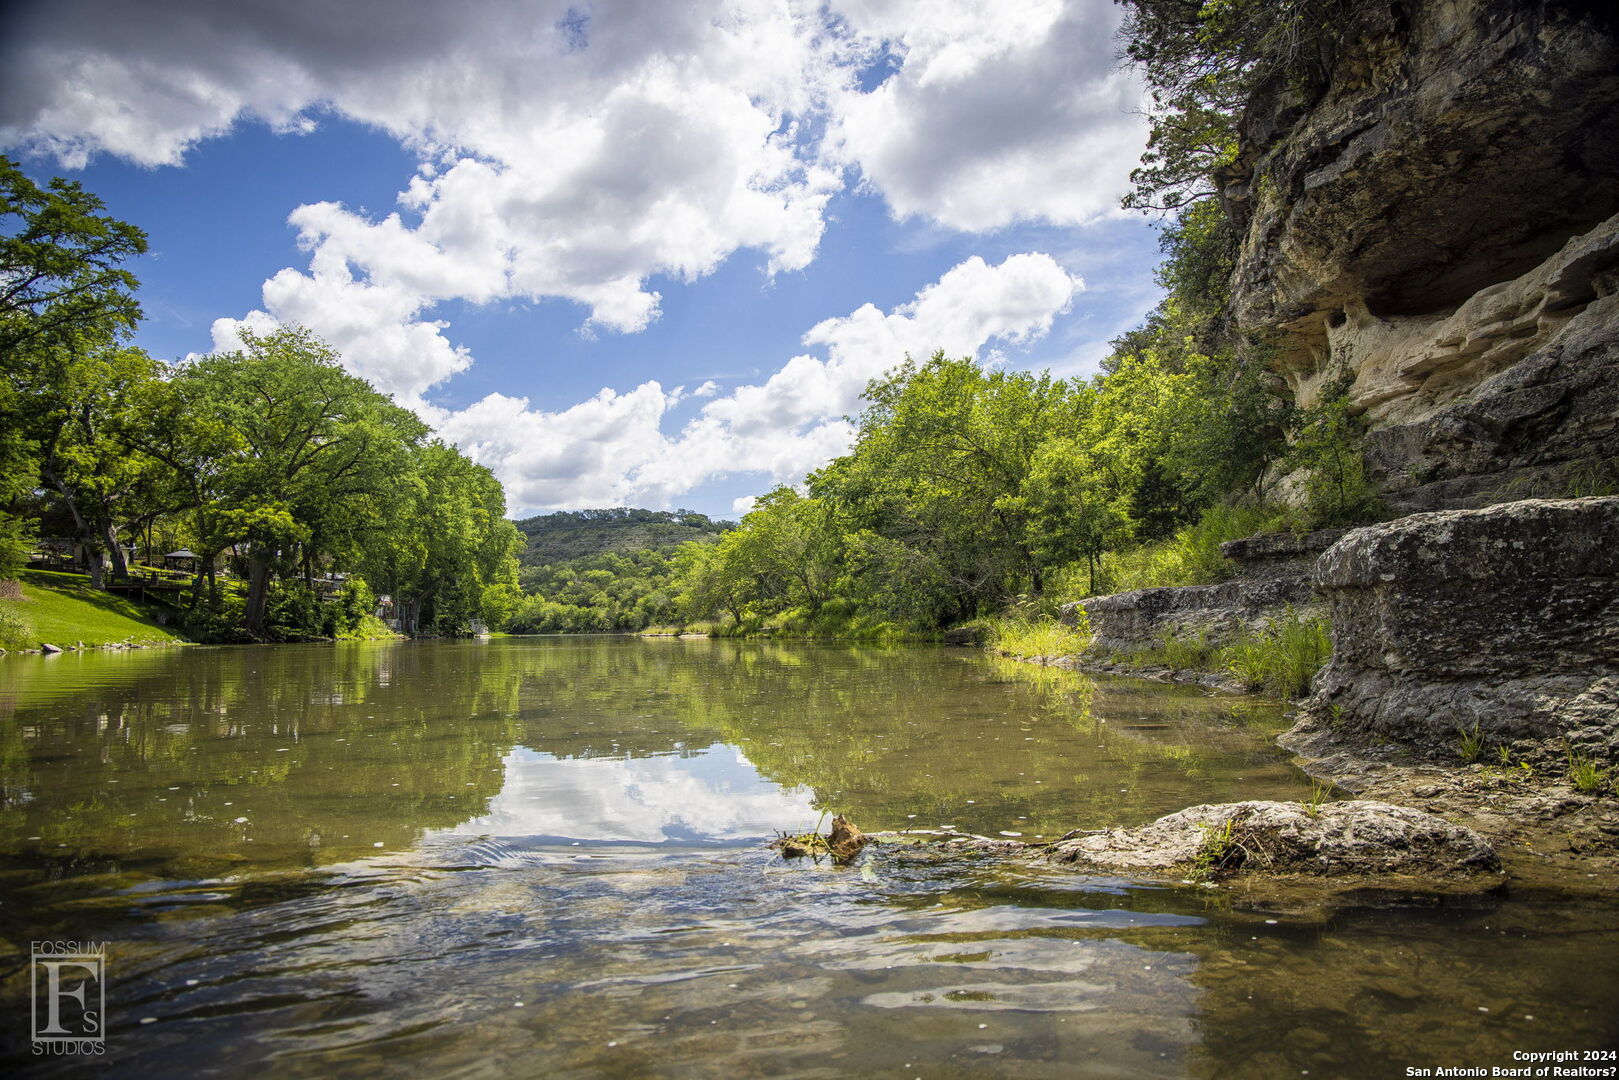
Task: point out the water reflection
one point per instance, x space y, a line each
715 794
305 756
541 857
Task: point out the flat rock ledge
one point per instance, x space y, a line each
1358 837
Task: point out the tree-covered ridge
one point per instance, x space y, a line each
298 490
571 534
610 592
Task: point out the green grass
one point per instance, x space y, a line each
63 610
1024 638
1282 658
1190 557
1193 652
1470 744
1218 851
1586 775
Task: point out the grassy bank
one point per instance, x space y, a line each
1280 658
836 620
63 610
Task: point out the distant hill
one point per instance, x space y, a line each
572 534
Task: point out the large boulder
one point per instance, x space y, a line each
1502 622
1355 837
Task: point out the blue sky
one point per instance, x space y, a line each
623 253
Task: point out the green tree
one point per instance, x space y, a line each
789 545
1077 512
1203 61
288 456
939 465
61 265
715 578
84 412
61 280
443 542
1327 449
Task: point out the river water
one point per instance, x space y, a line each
547 857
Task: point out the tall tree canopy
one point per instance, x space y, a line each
64 296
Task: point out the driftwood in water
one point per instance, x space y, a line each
842 843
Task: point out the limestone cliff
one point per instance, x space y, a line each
1440 219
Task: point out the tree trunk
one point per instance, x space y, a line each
258 589
109 536
90 540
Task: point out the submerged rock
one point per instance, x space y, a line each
1355 838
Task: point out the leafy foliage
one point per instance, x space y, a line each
272 459
607 592
1203 61
1327 449
968 489
60 265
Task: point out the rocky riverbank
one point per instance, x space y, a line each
1474 678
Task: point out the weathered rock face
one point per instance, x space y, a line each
1457 145
1140 619
1505 618
1357 837
1281 555
1442 213
1274 572
1547 424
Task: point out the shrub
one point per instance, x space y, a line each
16 538
1328 449
1190 557
13 631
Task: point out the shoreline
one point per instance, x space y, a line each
1548 834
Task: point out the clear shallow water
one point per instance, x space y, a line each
546 857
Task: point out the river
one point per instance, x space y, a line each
547 857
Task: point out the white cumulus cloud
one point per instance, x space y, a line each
612 449
575 150
995 113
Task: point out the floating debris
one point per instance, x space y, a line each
842 843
